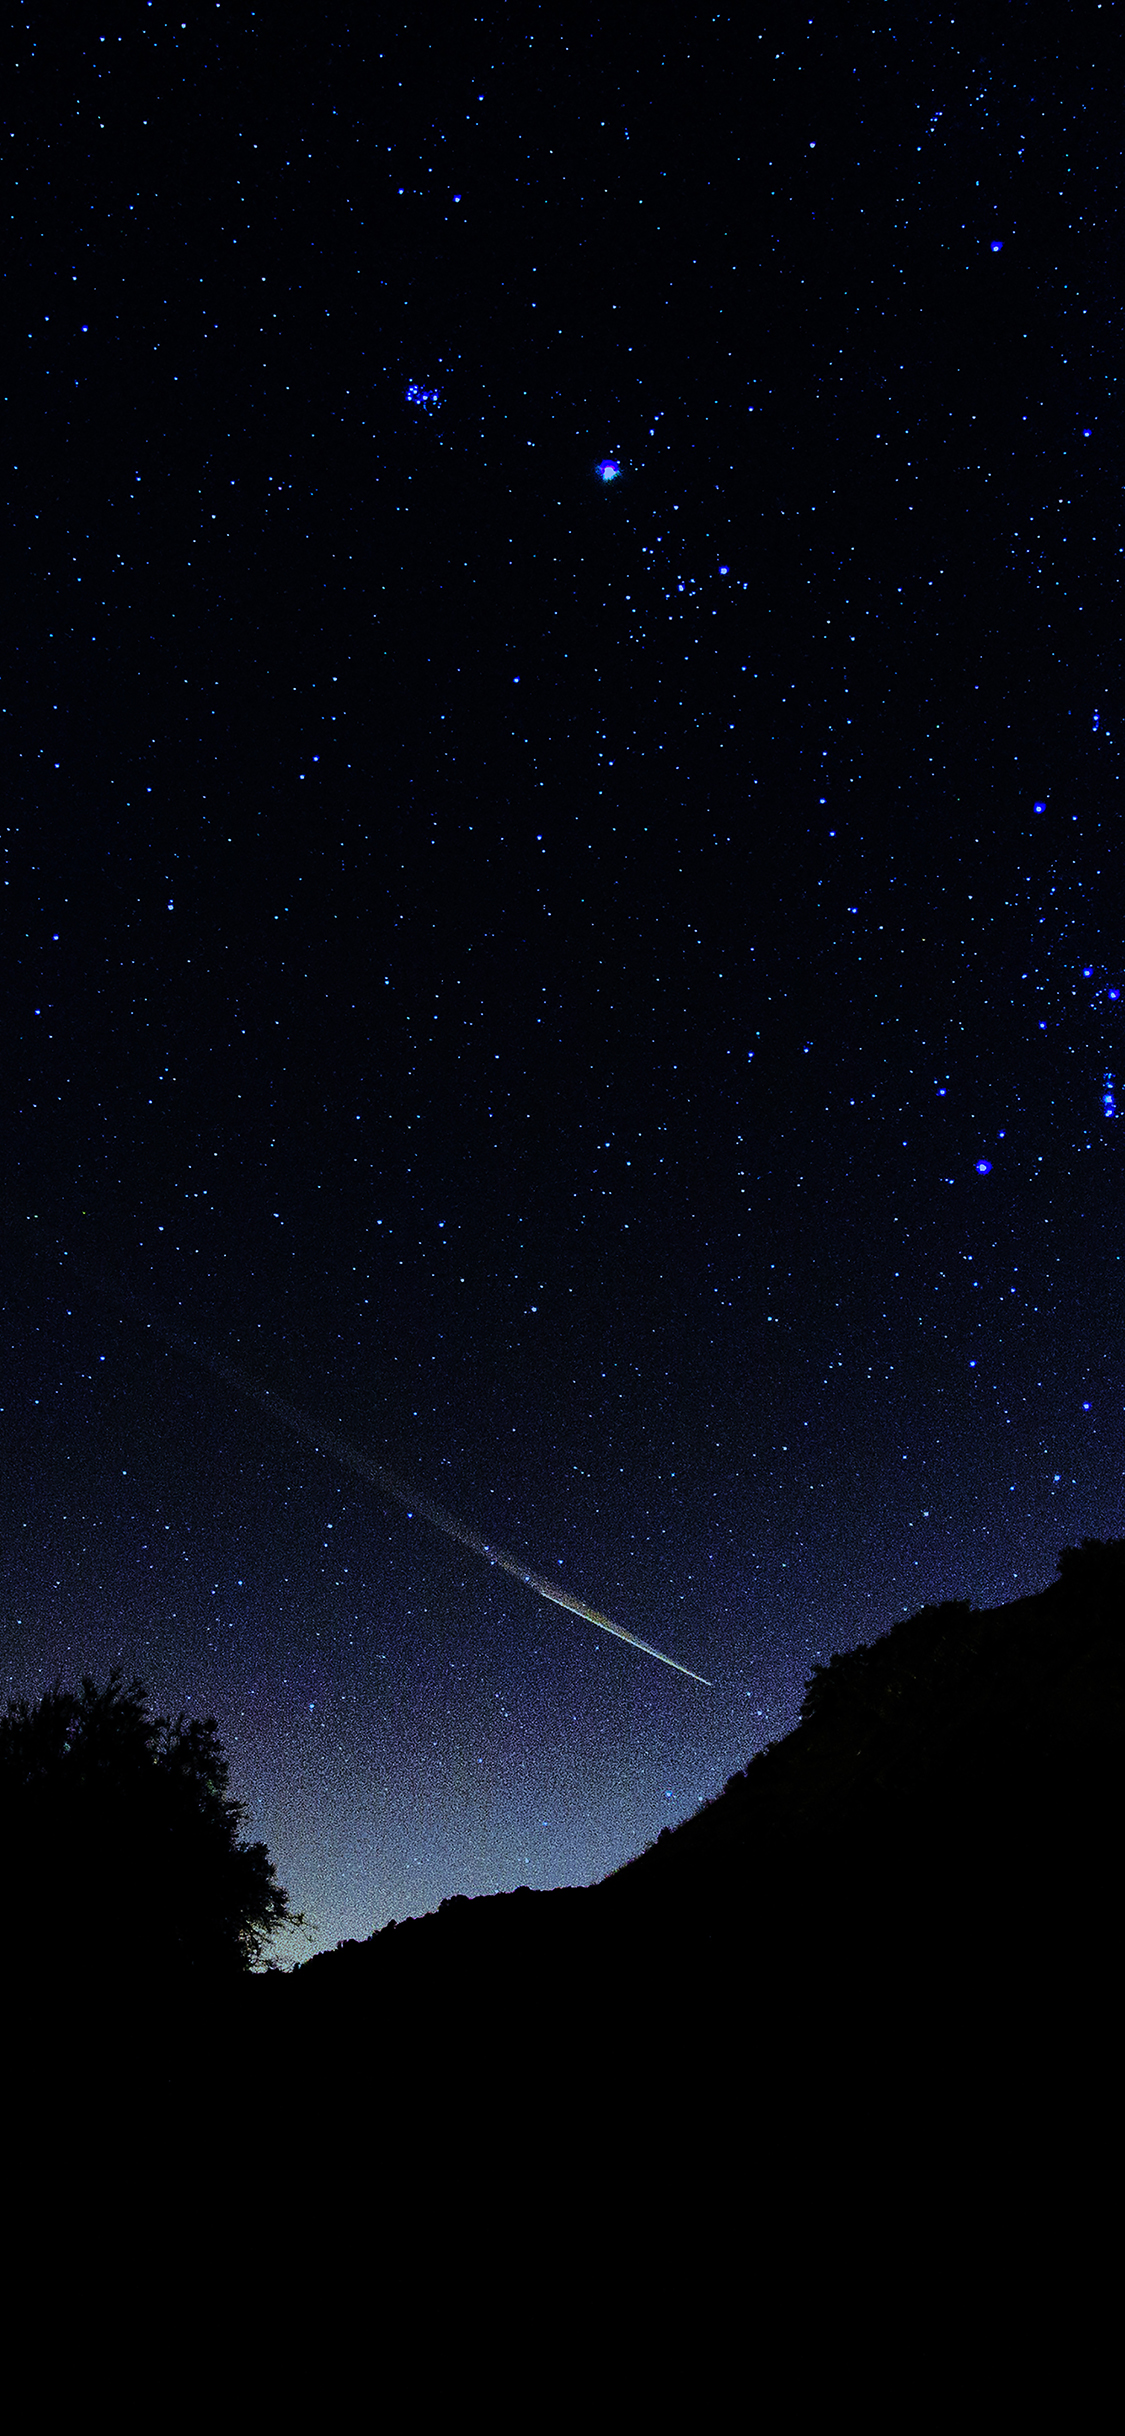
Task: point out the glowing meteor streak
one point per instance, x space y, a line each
562 1598
327 1442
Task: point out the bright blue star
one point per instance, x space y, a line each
984 1167
608 469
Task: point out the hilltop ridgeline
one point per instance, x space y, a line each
958 1730
955 1780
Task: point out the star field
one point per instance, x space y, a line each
561 872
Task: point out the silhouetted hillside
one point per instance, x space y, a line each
936 1838
872 1975
950 1792
961 1740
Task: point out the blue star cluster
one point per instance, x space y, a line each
561 859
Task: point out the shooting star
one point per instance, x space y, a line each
328 1442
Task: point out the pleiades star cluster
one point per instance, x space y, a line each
562 890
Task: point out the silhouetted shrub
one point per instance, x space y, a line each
1095 1569
880 1675
122 1844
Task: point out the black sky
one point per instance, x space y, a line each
602 994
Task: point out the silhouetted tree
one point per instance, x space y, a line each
1095 1572
878 1676
122 1844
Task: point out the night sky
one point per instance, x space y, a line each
563 886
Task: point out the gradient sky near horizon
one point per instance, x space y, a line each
563 888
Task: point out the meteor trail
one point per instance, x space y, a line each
328 1442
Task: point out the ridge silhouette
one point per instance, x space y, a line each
946 1805
859 2007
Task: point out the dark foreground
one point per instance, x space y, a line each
853 2023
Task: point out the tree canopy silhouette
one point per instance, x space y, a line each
124 1844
